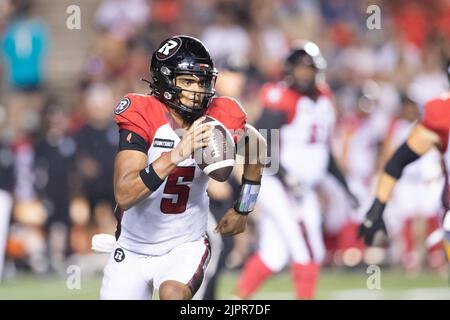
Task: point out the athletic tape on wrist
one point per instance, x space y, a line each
247 197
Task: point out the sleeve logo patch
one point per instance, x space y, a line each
122 106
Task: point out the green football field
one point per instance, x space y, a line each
333 285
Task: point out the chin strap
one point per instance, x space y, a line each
146 81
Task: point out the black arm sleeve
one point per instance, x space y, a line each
401 158
333 168
129 140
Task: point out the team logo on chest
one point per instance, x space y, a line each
122 106
119 255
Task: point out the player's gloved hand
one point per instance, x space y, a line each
232 223
373 223
194 138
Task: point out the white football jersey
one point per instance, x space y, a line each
362 150
305 138
177 211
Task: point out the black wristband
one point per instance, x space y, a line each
244 180
151 180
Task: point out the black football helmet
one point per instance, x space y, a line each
303 53
182 55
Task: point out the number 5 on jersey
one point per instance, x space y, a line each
174 186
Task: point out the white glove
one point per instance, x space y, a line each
103 243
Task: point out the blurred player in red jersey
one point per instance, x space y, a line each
432 131
160 191
290 229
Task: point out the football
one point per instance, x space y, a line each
217 159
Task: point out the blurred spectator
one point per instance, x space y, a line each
412 21
5 11
166 12
340 10
397 60
27 234
6 199
96 149
430 81
269 44
122 18
225 36
24 47
54 169
138 59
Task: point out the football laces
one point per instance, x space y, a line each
214 146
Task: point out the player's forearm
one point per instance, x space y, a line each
251 184
253 169
130 190
253 172
255 156
393 170
164 165
135 186
419 142
334 170
385 187
394 167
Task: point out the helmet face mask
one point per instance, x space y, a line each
183 57
303 78
193 89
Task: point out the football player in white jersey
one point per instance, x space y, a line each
432 131
160 191
290 226
417 196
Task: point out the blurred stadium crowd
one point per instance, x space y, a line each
56 158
